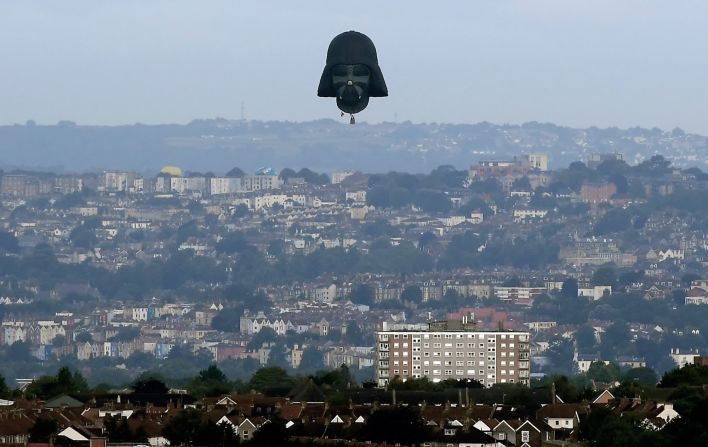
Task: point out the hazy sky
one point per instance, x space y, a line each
577 63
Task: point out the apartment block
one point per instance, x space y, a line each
453 350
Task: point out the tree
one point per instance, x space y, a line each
4 390
603 373
83 337
569 289
83 237
363 294
273 433
278 356
228 319
8 242
186 428
311 359
397 424
19 352
412 294
43 429
616 336
265 335
271 379
643 375
604 276
150 385
210 382
585 338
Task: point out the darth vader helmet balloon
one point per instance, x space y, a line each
352 74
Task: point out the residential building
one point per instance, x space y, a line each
453 349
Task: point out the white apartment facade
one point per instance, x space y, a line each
489 357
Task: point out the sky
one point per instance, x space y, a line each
576 63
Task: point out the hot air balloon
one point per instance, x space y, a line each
352 73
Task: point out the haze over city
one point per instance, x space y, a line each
575 63
323 224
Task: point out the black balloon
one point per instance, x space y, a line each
352 73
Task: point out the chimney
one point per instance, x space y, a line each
553 392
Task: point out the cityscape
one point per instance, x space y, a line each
378 224
201 289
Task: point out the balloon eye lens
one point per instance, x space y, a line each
361 70
339 71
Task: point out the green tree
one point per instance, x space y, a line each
412 294
585 338
601 372
311 359
4 390
569 289
643 375
43 429
271 379
604 276
362 294
265 335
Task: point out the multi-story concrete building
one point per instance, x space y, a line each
261 182
224 185
453 350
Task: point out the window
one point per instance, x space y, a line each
448 345
470 363
448 372
448 354
426 363
470 372
395 335
405 345
459 363
395 345
459 372
426 345
524 436
460 345
502 436
459 354
470 345
437 345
